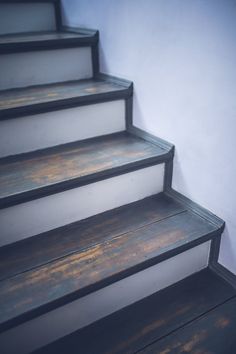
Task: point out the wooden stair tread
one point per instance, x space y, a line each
140 324
214 333
46 247
37 36
30 41
103 256
31 175
18 100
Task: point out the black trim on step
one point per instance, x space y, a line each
197 209
224 273
125 92
76 182
49 44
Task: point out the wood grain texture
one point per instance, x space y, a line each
52 170
46 94
60 242
132 328
97 265
214 333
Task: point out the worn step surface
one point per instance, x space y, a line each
33 175
135 327
214 333
56 267
32 100
11 43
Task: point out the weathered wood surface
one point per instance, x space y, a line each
214 333
36 95
97 265
133 328
60 242
80 162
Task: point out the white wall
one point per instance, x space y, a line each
181 55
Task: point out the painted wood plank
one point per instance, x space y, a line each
65 240
132 328
34 41
98 265
36 174
73 91
37 37
214 333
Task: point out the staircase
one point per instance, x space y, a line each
98 254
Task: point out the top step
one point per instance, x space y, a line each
29 16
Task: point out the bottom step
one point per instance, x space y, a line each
153 325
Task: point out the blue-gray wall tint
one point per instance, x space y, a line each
181 54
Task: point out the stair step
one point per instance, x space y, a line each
41 249
213 333
140 324
33 175
42 57
20 42
37 99
73 261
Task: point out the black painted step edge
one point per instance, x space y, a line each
41 192
108 281
151 138
224 273
49 44
126 91
196 208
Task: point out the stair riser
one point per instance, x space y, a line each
65 320
60 127
31 218
27 17
44 67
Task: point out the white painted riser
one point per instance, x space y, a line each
27 17
59 127
67 319
45 67
31 218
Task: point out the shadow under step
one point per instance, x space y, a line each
43 98
44 172
54 268
149 320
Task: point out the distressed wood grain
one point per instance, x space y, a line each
60 242
214 333
31 174
133 328
44 94
97 265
